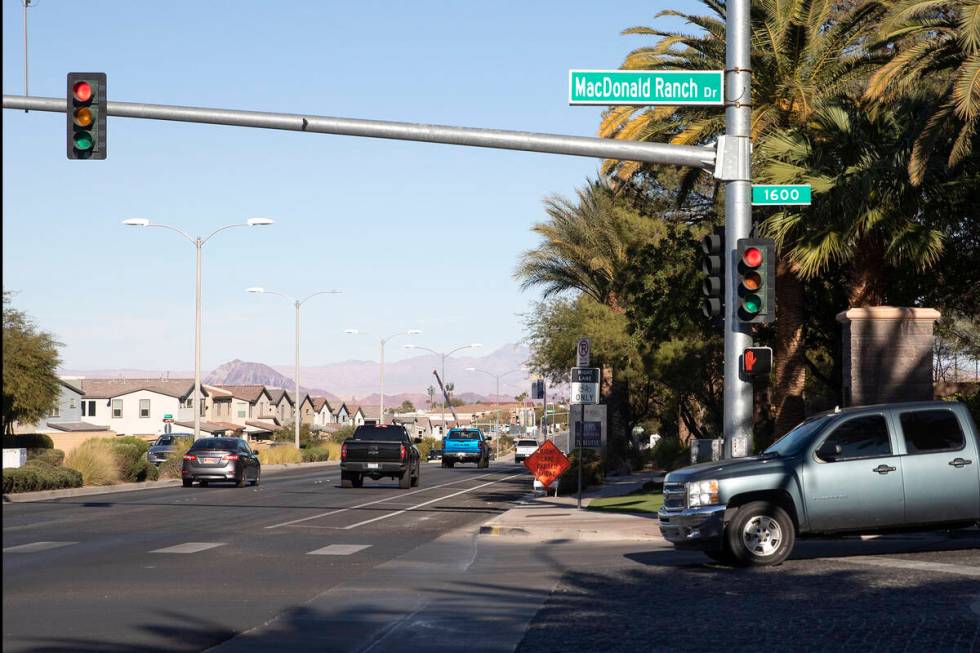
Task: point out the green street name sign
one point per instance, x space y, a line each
773 195
643 87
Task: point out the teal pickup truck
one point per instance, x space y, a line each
870 469
466 445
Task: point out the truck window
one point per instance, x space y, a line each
380 434
928 431
861 437
463 435
794 441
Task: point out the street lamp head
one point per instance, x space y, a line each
476 344
353 332
136 222
255 291
470 369
414 332
408 347
259 222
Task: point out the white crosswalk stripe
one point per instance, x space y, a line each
189 547
34 547
339 550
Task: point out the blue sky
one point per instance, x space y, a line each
417 236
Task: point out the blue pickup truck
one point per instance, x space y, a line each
466 445
869 469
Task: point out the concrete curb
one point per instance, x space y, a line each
44 495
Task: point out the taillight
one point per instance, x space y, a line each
189 456
343 451
230 456
403 452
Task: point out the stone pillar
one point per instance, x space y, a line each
887 354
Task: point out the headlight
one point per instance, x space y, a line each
702 493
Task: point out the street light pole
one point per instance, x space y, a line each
496 399
297 303
383 342
198 245
445 382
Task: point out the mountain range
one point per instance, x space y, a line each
359 380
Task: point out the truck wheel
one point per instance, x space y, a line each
761 534
357 479
346 480
186 482
405 480
417 477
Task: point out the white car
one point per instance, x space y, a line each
523 449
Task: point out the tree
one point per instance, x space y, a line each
431 391
30 361
407 407
934 44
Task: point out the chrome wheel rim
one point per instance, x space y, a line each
762 535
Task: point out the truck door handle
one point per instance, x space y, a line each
959 462
883 469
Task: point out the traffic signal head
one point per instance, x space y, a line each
713 265
756 275
86 115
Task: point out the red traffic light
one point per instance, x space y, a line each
752 257
82 91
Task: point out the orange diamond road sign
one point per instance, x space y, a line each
547 463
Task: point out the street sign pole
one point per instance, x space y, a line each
581 441
738 219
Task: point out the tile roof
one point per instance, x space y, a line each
319 403
76 426
109 388
276 394
265 426
211 427
249 393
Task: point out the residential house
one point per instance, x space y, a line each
417 425
363 414
306 410
138 406
240 403
342 415
64 424
322 413
281 404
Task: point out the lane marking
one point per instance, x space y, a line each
339 550
190 547
34 547
450 496
371 503
918 565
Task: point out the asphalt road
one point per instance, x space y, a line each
185 569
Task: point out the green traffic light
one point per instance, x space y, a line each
83 141
752 304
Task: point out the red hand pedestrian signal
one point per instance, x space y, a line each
756 361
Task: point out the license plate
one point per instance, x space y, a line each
372 465
209 461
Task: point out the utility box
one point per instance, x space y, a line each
706 450
14 458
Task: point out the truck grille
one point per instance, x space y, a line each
675 496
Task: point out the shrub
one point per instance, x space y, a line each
307 436
28 441
139 443
53 457
315 454
280 455
427 445
341 434
669 454
96 461
37 476
132 463
170 468
592 472
333 450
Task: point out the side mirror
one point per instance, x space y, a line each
417 440
829 451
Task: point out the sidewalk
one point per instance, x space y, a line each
556 519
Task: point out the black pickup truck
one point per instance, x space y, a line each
377 451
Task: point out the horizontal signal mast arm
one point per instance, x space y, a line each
662 153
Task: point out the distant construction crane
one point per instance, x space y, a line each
446 397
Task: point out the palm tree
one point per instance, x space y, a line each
584 246
431 391
867 214
935 43
802 50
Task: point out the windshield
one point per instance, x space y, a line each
463 435
794 441
527 443
380 434
167 439
223 444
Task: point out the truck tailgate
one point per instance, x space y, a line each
360 451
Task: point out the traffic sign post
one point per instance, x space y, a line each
583 352
585 390
547 463
645 87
